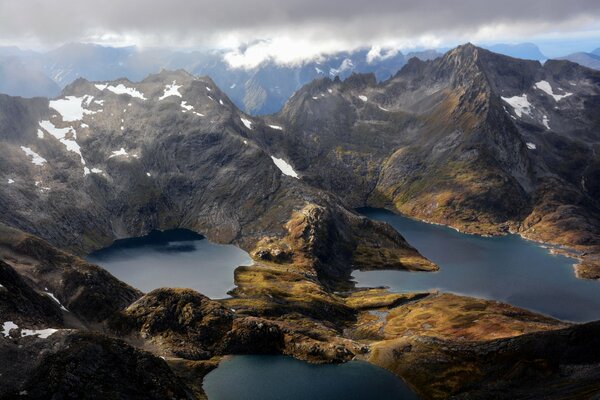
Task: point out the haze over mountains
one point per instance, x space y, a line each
258 90
590 60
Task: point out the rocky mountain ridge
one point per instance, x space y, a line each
476 140
445 140
257 90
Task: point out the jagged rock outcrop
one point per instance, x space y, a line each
183 322
119 159
84 366
483 142
86 291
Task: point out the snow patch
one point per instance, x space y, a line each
101 87
531 146
120 152
41 333
545 87
247 123
56 300
277 127
383 109
186 106
286 168
209 89
171 90
520 104
10 181
71 107
35 157
61 135
363 98
122 89
96 171
40 133
546 122
7 327
346 65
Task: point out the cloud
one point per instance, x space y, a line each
289 30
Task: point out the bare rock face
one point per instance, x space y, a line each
86 366
88 292
23 305
109 160
183 322
251 335
479 141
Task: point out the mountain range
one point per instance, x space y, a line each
259 90
483 142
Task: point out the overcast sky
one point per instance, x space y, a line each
290 30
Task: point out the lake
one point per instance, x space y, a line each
507 268
175 258
280 377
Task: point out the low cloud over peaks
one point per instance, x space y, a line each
291 29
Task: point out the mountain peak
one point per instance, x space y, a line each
467 50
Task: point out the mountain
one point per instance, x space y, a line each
589 60
107 160
480 141
596 52
18 78
526 51
264 89
117 152
260 90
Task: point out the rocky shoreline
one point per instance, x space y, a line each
433 341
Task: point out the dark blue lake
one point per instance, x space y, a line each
285 378
507 268
176 258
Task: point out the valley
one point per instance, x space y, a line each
483 143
